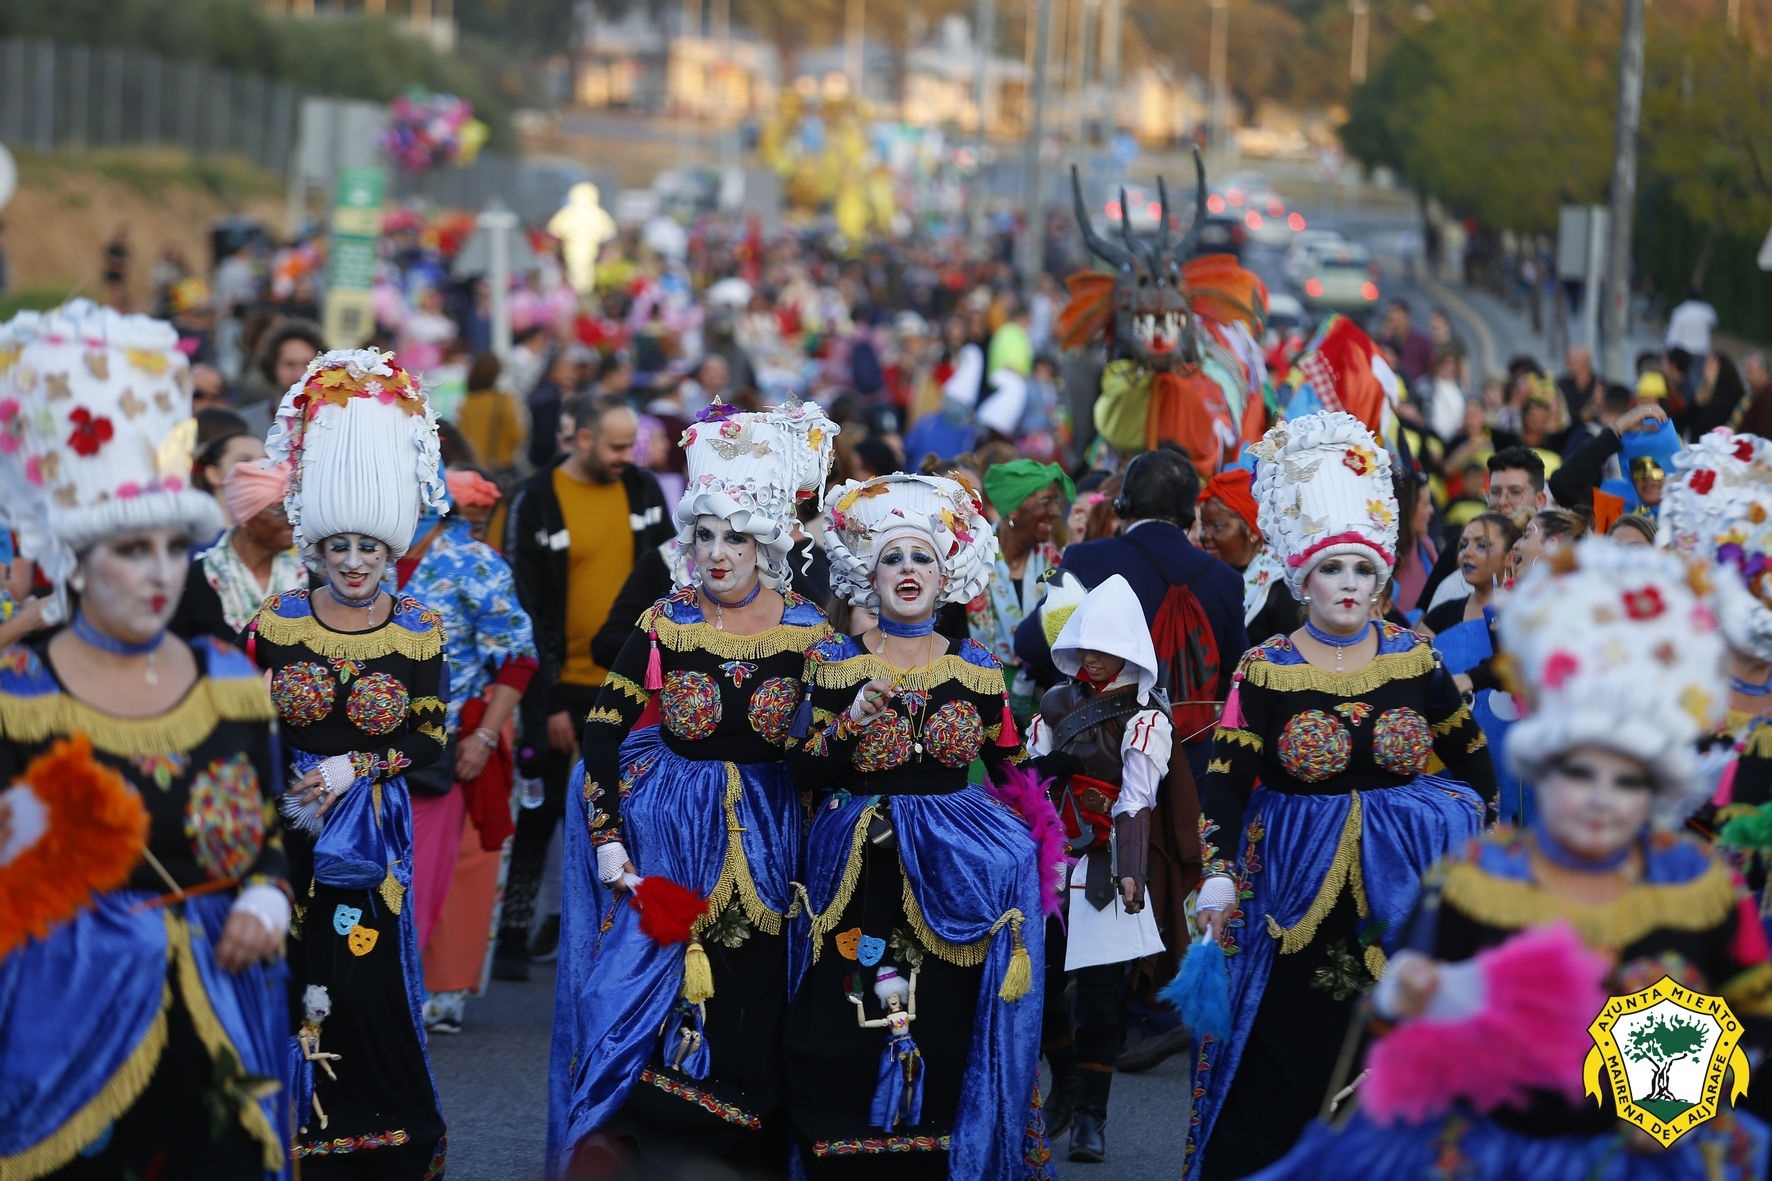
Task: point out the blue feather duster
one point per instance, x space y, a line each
1201 990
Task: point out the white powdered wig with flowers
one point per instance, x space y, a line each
1717 510
95 433
1324 488
817 437
361 440
1613 647
865 515
744 469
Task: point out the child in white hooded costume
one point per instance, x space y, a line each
1104 737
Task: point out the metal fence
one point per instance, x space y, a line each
55 96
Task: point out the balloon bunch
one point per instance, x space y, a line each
427 131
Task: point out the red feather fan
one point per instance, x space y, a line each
668 911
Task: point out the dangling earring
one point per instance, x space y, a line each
78 583
1012 522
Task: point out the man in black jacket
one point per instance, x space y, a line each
574 532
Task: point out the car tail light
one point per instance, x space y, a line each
1234 196
1215 204
1153 210
1313 287
1368 291
1252 219
1274 209
1295 222
1113 210
1237 234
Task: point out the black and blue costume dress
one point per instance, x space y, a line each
1685 917
379 697
702 799
125 1049
909 865
1329 787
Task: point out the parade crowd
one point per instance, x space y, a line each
897 703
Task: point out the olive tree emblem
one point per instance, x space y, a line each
1661 1055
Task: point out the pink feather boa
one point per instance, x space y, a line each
1542 989
1029 797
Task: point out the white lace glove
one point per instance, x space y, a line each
268 905
610 859
855 713
1217 893
338 773
1459 992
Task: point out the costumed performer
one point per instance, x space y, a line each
359 682
1104 738
668 1041
1230 530
1519 939
1325 779
143 881
909 866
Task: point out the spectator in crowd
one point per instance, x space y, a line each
489 418
1690 324
223 440
1516 490
1753 414
1579 384
1415 351
548 400
573 534
1586 469
209 389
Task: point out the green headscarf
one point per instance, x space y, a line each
1009 484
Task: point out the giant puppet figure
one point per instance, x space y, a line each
1181 334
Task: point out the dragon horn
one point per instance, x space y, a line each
1104 250
1126 223
1163 230
1192 238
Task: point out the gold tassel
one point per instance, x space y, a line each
393 894
1020 976
698 974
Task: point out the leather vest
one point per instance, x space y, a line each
1097 747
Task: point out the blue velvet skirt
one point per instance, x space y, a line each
1472 1147
1299 858
617 990
85 1017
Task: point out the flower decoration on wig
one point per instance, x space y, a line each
1612 647
95 433
361 442
749 469
1717 511
1324 488
865 515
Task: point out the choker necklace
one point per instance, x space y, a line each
907 631
1556 854
83 627
720 606
360 604
1751 688
1331 640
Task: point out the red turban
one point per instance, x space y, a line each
1232 487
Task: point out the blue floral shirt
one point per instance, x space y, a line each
469 584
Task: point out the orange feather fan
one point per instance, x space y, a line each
1090 310
94 829
1222 289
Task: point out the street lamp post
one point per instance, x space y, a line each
1220 51
1356 67
1033 236
1624 188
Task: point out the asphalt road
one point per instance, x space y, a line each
493 1076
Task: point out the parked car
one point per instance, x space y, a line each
1305 246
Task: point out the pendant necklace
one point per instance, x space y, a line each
919 702
1331 640
83 627
720 607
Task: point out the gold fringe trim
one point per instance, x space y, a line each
705 637
1759 745
428 704
824 924
392 892
434 733
1749 993
1458 718
34 720
1376 962
1218 767
964 955
858 670
1246 738
1697 905
116 1097
1476 744
1344 870
214 1038
735 875
1394 666
604 714
622 685
306 632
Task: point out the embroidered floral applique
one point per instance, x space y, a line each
739 671
1355 712
161 770
225 818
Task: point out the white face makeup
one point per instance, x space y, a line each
354 565
908 578
132 582
1594 802
725 559
1340 591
